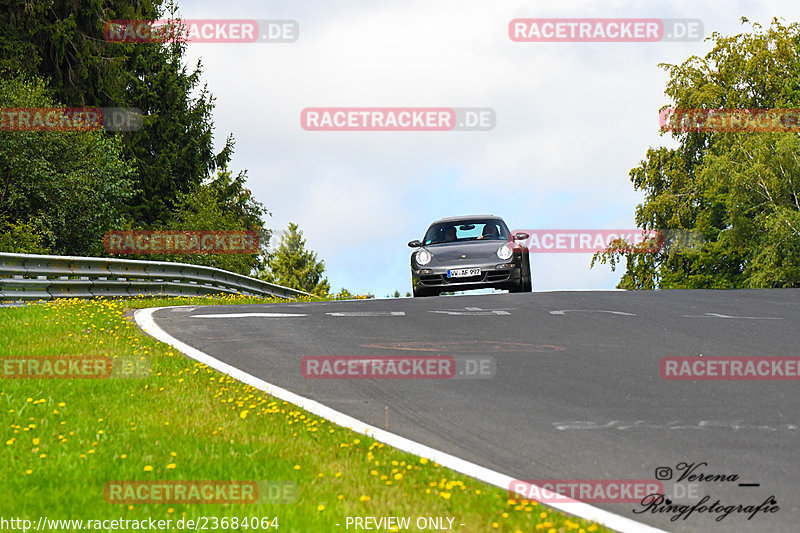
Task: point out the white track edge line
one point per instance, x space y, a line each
144 317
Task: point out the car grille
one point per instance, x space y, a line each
442 279
500 275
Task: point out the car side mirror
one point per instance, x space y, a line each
414 244
521 236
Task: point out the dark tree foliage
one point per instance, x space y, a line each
60 190
63 42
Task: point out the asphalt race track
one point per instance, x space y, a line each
577 392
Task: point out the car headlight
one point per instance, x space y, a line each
505 252
423 257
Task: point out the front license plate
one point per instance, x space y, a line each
463 272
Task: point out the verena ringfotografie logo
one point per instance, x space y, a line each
396 367
133 492
70 118
694 472
180 242
72 367
588 30
730 368
201 31
397 119
729 120
585 490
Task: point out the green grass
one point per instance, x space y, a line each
62 440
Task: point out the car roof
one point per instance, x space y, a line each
464 217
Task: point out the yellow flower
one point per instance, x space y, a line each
29 471
297 467
124 456
35 442
398 476
365 498
171 466
320 507
445 495
423 460
148 468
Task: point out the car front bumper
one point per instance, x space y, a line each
429 278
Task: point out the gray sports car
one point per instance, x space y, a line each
469 252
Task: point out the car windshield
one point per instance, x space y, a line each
466 230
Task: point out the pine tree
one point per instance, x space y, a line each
291 265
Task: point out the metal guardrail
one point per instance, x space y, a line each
43 277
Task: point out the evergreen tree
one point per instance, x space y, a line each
291 265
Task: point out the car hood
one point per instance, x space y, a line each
453 251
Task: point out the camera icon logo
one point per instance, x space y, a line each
663 473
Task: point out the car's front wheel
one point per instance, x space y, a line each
420 293
527 280
525 284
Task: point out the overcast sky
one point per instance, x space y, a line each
572 120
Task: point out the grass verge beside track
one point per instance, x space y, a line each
62 440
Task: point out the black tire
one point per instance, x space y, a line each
527 283
422 293
519 287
